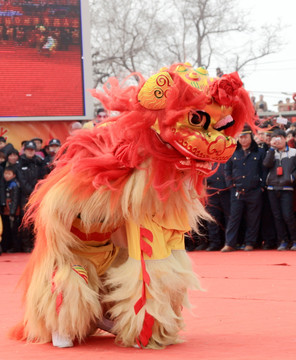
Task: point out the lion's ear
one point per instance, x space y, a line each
153 94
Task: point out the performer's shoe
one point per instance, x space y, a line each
61 342
249 248
293 247
227 248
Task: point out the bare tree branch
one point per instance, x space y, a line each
132 36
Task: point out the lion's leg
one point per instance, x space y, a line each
149 291
62 304
60 298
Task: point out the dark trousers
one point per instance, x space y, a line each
27 237
281 202
193 240
10 237
247 205
267 232
219 207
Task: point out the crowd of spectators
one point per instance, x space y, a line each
252 197
261 106
20 170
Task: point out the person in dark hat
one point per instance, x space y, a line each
38 142
30 145
30 170
54 146
12 158
245 176
54 143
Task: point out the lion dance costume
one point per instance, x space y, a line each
110 218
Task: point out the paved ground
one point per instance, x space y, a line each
247 312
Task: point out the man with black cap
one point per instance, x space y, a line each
245 176
54 146
30 169
38 142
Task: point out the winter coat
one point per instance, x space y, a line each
217 181
285 159
29 171
244 171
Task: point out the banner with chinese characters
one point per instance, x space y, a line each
17 132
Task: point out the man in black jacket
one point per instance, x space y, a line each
281 161
30 169
245 176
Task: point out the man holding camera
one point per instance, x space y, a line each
281 161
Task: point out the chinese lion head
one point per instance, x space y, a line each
191 114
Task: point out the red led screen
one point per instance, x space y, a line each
41 59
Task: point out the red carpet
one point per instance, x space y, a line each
248 312
33 84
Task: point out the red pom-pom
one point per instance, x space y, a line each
224 89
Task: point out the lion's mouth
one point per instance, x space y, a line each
215 149
203 167
193 158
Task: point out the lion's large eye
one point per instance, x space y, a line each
200 118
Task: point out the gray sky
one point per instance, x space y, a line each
275 74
